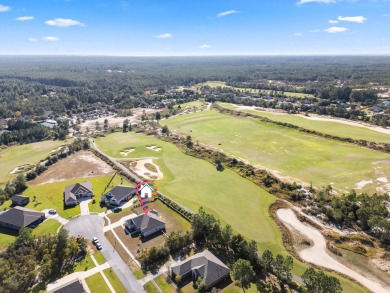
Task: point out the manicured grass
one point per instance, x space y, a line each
195 183
291 153
97 284
214 84
114 281
198 104
165 287
138 274
50 226
150 288
328 127
51 196
7 236
99 258
84 265
15 156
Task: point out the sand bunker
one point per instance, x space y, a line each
153 148
127 151
147 169
362 183
22 168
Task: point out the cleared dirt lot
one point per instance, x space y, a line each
82 164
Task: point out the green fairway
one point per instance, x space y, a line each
50 196
291 153
328 127
214 84
195 183
15 156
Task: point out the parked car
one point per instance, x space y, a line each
135 200
95 240
52 212
117 209
99 246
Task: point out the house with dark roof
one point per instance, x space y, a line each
20 217
117 195
146 224
203 265
20 200
74 192
75 286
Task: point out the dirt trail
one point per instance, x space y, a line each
318 255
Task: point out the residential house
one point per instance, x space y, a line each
20 217
73 193
203 265
117 195
146 224
74 286
20 200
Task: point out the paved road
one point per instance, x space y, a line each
92 226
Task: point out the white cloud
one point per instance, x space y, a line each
205 46
297 34
336 29
32 40
333 21
165 36
63 22
386 15
314 31
225 13
24 18
50 39
316 1
4 8
358 19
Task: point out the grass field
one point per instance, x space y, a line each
165 287
196 183
51 196
48 227
214 84
198 104
150 288
99 258
84 265
328 127
7 236
32 153
291 153
114 281
97 284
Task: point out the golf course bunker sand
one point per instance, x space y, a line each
153 148
22 168
317 254
147 169
82 164
127 151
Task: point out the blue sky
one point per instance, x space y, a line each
195 27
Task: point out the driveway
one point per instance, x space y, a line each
90 226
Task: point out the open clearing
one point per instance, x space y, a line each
317 254
195 183
332 126
288 152
82 164
15 156
214 84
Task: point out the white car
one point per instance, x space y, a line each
95 240
52 212
99 246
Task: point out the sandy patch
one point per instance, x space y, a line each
21 168
139 168
82 164
127 151
362 183
153 148
382 179
318 253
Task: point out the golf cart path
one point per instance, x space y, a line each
317 254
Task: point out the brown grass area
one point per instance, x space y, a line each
122 253
115 217
82 164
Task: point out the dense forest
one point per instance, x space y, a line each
34 85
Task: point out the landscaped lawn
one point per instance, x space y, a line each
150 288
328 127
50 196
195 183
114 281
300 156
97 284
165 287
49 226
99 258
32 153
214 84
84 265
7 236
